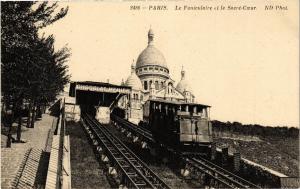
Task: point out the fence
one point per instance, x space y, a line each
59 169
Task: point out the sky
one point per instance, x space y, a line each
245 64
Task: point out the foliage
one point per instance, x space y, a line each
31 69
280 154
27 60
255 130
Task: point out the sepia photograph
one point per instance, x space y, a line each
150 94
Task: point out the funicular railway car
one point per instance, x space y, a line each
183 126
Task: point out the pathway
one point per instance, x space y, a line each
24 164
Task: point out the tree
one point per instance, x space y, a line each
26 57
53 74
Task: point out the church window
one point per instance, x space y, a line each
156 68
161 69
140 70
156 85
145 68
145 85
162 84
151 68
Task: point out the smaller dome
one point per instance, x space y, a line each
150 32
133 81
183 84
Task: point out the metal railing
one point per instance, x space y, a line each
60 154
61 133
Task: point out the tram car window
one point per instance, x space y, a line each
184 126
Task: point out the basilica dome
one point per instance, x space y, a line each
151 55
133 81
183 84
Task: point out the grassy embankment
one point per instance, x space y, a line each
275 148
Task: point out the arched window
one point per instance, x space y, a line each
156 85
145 85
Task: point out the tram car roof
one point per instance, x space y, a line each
179 103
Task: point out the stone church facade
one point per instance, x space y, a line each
150 79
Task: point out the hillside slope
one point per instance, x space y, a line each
278 148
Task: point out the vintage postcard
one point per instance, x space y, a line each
150 94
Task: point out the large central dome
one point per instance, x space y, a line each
151 55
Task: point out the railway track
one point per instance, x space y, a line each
132 171
196 163
139 131
224 177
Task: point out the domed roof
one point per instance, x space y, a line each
183 84
150 32
151 55
133 81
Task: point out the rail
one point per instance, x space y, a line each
223 176
59 169
198 163
139 131
135 173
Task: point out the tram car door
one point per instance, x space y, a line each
195 127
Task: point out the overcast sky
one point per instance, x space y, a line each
242 63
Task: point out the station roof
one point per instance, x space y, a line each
100 84
97 87
178 102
